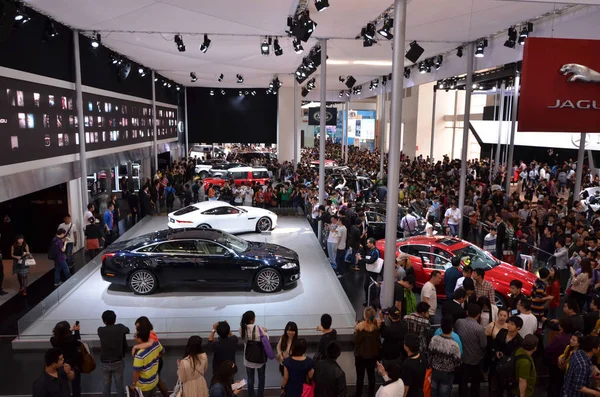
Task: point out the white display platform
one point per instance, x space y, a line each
179 313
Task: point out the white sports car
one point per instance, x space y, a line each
223 216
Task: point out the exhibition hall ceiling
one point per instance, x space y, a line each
144 30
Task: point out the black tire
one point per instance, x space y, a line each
204 226
264 224
142 282
500 300
268 280
203 174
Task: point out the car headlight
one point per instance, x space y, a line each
289 265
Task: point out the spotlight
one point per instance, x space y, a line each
155 79
375 83
305 92
384 80
240 78
440 84
350 81
481 45
277 50
415 52
438 62
240 93
371 86
321 5
452 84
169 85
525 30
21 17
370 31
142 71
341 94
264 47
178 88
96 40
422 67
222 92
297 46
386 30
253 93
220 78
246 93
475 86
49 30
212 92
193 77
164 83
205 44
459 52
512 38
341 79
179 41
303 27
348 94
407 72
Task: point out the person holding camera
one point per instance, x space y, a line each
59 246
370 258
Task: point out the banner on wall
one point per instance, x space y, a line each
560 89
314 116
361 128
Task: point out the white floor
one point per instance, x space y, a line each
175 313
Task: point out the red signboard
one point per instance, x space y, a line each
560 86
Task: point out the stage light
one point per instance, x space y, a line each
297 46
96 40
350 81
375 83
341 79
277 48
222 92
193 77
246 93
422 68
305 92
415 52
341 94
164 83
155 79
367 42
370 31
407 72
459 52
49 30
438 62
525 30
452 84
205 44
386 30
240 78
384 80
475 86
240 93
481 45
21 18
220 78
264 47
179 42
348 94
169 85
142 71
321 5
440 84
512 38
178 88
253 93
212 92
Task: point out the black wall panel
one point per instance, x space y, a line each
231 118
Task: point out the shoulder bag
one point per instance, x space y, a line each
255 351
264 339
376 266
88 365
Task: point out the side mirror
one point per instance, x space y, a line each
228 254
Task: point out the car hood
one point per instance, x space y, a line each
267 250
504 273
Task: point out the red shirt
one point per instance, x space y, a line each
553 290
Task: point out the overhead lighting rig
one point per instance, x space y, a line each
298 49
274 85
459 52
511 42
301 26
386 30
368 34
277 50
437 63
205 44
193 77
350 81
265 46
49 30
220 78
525 30
480 48
407 72
21 17
142 71
240 78
96 40
321 5
309 65
179 42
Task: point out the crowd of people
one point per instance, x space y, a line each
540 225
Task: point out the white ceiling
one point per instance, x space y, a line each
438 25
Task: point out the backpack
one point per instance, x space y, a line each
506 371
410 301
52 250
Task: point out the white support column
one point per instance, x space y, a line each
433 125
296 110
579 169
465 140
187 132
346 128
513 130
154 140
500 120
344 132
389 278
381 108
80 127
323 135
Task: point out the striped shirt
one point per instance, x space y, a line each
146 362
489 244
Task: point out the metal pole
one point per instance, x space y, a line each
433 124
579 170
454 124
187 134
513 130
500 119
81 129
323 128
295 157
394 152
346 128
465 140
154 140
510 110
344 132
382 132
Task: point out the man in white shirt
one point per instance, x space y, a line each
342 234
70 236
88 214
530 322
408 223
429 293
453 217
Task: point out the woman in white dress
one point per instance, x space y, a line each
429 226
191 368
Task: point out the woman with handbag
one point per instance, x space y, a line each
191 369
19 252
297 370
68 339
284 346
255 357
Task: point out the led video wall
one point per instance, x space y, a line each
38 121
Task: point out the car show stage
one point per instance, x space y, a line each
177 313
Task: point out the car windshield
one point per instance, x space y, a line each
476 257
232 242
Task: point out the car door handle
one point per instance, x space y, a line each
202 260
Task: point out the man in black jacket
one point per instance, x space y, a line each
113 349
500 235
329 377
454 307
393 332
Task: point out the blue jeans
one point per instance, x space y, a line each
261 381
453 229
340 262
59 266
331 251
441 383
110 370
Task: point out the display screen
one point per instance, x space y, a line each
39 121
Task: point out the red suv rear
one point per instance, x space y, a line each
247 175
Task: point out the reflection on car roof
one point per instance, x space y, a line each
207 205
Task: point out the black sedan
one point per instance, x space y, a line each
199 257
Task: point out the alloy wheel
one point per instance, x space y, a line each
142 282
268 280
264 224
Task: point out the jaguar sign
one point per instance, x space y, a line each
314 116
560 90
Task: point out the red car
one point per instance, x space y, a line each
435 253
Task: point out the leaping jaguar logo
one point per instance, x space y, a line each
581 73
317 116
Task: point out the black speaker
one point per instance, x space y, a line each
350 81
415 52
7 18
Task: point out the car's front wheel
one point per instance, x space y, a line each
204 226
143 282
499 300
203 174
268 280
263 224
